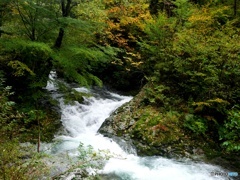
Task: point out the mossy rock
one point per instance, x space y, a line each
155 127
73 95
151 130
161 131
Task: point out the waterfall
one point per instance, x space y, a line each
81 123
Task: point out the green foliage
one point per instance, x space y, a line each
27 51
76 63
27 122
33 116
183 9
20 68
36 18
196 124
155 96
30 62
88 158
8 116
93 11
156 49
71 95
26 65
154 127
214 107
16 163
192 64
230 132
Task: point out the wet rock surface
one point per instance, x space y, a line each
128 121
162 136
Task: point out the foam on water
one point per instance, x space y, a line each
154 168
82 122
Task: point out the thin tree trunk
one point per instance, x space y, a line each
1 21
59 39
39 137
66 8
235 8
1 31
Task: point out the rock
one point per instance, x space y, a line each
156 131
110 176
151 132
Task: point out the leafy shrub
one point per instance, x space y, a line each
88 158
19 162
156 96
192 62
230 132
8 116
14 163
196 124
26 65
154 127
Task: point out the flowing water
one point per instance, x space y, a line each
81 123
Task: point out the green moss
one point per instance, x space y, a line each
71 95
156 128
74 95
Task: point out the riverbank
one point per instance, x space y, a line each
155 131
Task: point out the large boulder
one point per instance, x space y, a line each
152 132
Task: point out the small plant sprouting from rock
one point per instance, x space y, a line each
88 164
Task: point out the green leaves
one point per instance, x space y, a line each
193 56
196 124
156 96
26 62
196 60
183 9
36 18
21 162
230 132
20 68
8 115
77 63
156 128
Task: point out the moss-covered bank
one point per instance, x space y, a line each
157 131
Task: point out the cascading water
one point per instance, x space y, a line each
81 122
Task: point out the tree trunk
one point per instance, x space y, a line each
39 137
59 39
66 8
1 31
2 6
235 8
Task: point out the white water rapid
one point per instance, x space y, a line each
81 123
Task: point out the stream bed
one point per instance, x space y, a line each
80 125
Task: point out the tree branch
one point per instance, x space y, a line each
5 32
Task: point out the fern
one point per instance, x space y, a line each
20 68
76 63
